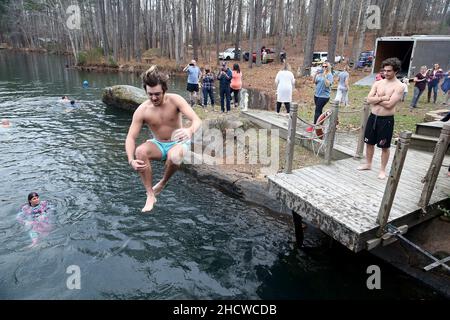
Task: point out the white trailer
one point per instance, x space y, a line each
414 52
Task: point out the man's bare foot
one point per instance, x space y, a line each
157 188
365 166
151 200
382 175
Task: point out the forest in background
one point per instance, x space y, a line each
125 30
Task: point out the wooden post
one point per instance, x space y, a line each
364 117
394 178
292 128
433 171
298 226
331 132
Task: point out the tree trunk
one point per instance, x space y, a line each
408 13
136 33
310 39
252 31
332 39
258 18
194 29
444 15
238 31
398 13
362 31
183 31
280 28
217 29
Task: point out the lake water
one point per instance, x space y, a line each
197 243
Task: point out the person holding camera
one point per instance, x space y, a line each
433 78
224 76
323 80
194 75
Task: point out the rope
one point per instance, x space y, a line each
306 122
353 111
328 114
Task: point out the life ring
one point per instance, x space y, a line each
324 116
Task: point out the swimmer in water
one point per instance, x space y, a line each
6 123
65 99
35 216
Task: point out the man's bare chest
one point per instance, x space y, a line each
386 90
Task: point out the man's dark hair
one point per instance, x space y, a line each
395 63
152 77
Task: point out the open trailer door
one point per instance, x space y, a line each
400 48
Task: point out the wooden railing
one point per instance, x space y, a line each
331 131
430 179
292 128
359 154
392 183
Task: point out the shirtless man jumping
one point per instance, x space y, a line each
383 97
162 114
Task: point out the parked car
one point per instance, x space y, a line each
269 58
322 56
365 59
230 54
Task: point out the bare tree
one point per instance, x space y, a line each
217 29
194 29
239 31
280 28
407 15
310 39
332 39
252 31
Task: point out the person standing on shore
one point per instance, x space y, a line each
446 88
323 80
285 83
236 83
224 78
343 86
420 83
383 97
194 75
433 78
208 88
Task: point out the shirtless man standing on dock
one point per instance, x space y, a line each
383 97
162 114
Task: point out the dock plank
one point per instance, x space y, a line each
344 202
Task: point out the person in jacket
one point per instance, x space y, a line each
224 76
433 78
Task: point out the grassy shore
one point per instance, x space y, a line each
405 120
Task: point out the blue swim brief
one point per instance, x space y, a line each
164 147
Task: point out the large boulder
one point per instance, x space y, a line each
124 97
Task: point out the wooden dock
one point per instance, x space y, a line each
344 202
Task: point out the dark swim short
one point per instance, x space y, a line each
192 87
379 131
